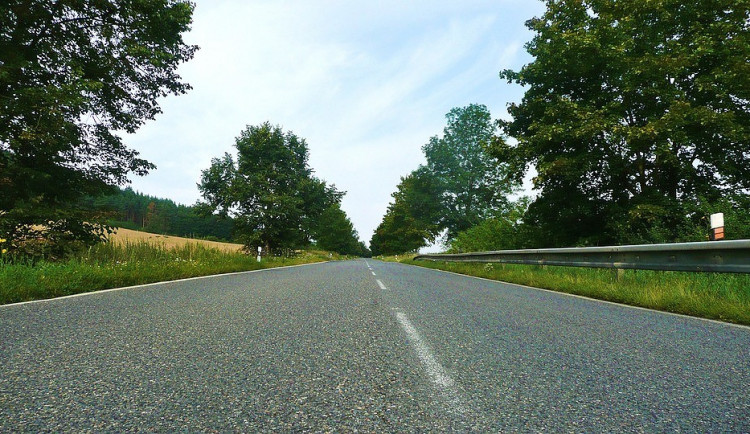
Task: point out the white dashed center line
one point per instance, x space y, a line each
438 375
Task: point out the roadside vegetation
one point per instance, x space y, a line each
113 265
62 168
724 297
633 129
626 138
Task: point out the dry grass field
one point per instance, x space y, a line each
133 258
127 236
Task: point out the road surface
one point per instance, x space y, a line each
368 346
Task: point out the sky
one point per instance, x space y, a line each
365 83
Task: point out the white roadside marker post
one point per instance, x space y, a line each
717 227
260 249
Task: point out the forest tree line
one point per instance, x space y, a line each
133 210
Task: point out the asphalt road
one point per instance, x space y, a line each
338 347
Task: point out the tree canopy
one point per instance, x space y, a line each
334 232
635 115
269 189
73 74
412 219
472 184
460 186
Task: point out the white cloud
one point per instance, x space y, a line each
366 84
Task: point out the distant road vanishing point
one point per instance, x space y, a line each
364 345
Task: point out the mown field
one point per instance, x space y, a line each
133 258
724 297
123 236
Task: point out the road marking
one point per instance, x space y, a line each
438 375
380 284
373 273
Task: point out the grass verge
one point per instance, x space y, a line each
116 265
396 258
724 297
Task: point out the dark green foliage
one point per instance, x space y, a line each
411 221
460 186
72 73
636 115
364 251
397 233
472 185
503 232
334 232
269 190
133 210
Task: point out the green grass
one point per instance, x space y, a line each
111 266
396 258
724 297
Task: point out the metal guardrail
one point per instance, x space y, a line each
715 256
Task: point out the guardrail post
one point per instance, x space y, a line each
717 227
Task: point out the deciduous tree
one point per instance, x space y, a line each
72 75
472 184
413 218
633 111
335 232
459 187
269 189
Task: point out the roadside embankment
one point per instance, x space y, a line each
126 263
724 297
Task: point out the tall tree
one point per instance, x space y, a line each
398 233
634 111
269 190
335 232
72 74
472 184
459 187
413 218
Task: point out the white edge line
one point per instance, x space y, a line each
164 282
592 299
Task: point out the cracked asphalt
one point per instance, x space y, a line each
323 348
